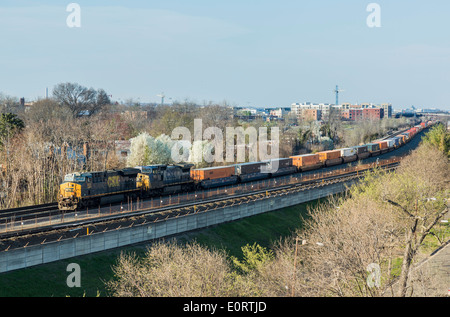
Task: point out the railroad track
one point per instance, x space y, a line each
29 211
394 134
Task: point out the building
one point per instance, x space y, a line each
280 112
352 114
323 109
387 108
372 114
362 114
311 115
347 111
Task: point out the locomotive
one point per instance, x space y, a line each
81 190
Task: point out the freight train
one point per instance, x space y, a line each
82 190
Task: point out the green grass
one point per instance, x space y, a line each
50 279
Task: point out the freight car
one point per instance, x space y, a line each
362 152
374 149
252 171
397 141
349 155
331 158
390 144
214 176
384 148
307 162
279 167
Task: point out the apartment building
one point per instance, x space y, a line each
348 111
322 110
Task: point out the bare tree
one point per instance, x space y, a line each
419 193
170 270
79 99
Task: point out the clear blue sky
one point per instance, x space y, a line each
247 52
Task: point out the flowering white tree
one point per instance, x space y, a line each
147 150
201 153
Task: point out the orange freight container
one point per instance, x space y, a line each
305 160
212 173
383 144
329 155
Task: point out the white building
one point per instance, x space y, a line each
324 108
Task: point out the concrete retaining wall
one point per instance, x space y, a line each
96 242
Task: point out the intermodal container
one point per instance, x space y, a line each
361 149
383 144
390 143
280 162
329 155
305 160
348 152
248 168
212 173
397 140
373 147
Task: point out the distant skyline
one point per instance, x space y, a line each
247 53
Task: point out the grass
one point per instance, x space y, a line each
49 280
440 234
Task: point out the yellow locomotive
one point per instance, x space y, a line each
81 190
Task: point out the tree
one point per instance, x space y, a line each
80 100
146 150
169 270
439 137
46 111
199 151
102 98
255 256
419 192
303 137
9 125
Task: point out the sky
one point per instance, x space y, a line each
247 52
